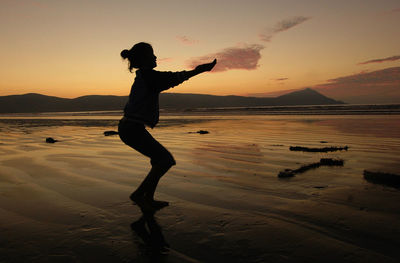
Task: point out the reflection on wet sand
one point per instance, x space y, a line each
150 232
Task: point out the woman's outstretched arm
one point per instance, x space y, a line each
201 68
167 79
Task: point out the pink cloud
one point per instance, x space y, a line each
246 58
281 26
186 40
380 60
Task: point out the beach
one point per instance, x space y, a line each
68 201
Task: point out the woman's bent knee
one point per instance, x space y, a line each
165 162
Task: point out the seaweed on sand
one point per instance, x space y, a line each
387 179
323 149
304 168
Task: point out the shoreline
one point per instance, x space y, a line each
339 109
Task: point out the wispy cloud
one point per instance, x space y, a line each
245 57
281 26
281 79
289 23
186 40
391 12
381 86
396 10
380 60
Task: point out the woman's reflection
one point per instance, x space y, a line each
150 232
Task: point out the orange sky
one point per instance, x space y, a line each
71 48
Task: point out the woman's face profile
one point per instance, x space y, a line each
150 60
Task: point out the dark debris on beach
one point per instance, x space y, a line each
387 179
109 133
201 132
323 149
323 162
50 140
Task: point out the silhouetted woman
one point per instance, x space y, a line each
142 110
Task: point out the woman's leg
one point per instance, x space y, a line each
143 196
149 184
162 160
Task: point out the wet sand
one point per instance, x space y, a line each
68 201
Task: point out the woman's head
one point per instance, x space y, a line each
141 55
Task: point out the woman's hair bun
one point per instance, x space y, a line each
125 54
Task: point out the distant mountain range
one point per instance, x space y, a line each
32 102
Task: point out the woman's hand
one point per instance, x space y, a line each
206 67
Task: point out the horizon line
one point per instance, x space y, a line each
35 93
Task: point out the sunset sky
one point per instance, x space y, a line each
71 48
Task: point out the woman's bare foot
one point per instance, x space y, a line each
143 202
159 204
147 204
